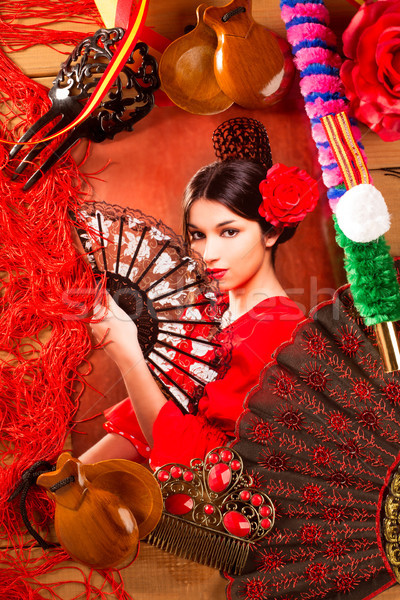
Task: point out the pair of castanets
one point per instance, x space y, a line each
226 58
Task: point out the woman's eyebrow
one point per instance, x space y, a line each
226 223
218 224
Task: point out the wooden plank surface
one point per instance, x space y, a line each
388 182
157 575
392 593
154 575
380 154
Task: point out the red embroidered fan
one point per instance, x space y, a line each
321 435
164 290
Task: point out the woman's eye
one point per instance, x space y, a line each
196 235
230 232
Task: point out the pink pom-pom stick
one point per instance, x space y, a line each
315 56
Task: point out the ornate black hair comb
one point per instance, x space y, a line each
130 99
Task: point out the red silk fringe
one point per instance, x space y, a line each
16 35
46 296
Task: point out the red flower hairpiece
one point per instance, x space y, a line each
288 195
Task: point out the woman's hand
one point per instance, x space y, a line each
112 326
119 334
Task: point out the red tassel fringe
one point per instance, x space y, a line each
16 35
46 295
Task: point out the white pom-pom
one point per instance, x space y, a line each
362 213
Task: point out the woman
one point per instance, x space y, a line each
225 222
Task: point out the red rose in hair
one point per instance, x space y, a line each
372 75
288 195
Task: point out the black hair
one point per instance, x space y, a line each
235 184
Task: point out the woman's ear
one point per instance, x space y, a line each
272 235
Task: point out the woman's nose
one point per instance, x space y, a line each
210 253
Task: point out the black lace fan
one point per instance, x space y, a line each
165 291
321 435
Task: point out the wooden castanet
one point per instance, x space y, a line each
102 510
146 501
187 71
252 65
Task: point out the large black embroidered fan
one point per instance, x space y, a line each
321 435
165 291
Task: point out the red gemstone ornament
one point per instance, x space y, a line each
245 495
219 478
265 511
209 509
213 458
226 455
235 465
188 476
179 504
257 500
176 472
163 476
265 523
236 524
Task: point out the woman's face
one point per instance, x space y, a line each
234 249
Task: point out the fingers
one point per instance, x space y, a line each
116 310
101 307
106 309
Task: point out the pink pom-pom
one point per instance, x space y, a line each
321 108
318 133
320 83
333 202
322 56
326 156
310 31
316 11
332 177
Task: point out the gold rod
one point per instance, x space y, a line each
388 344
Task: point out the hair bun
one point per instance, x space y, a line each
243 138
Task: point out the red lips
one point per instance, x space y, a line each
216 273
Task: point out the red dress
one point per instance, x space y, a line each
180 437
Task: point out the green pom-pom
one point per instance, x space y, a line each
372 277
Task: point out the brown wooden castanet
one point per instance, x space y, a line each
250 65
187 71
102 510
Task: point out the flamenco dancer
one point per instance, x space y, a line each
229 219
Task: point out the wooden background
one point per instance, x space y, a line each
148 170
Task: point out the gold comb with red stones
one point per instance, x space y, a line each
212 512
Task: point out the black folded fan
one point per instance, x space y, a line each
164 290
321 435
